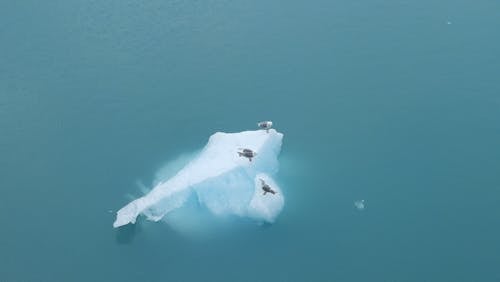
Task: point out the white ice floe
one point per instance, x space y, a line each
220 180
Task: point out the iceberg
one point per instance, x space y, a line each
222 182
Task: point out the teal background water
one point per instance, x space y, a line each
378 100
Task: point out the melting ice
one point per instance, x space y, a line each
219 180
360 205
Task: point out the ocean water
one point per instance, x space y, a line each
393 102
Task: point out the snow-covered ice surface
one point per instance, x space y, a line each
219 180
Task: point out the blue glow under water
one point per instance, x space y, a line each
393 102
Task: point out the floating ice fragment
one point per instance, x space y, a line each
219 181
360 205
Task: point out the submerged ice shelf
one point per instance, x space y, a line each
220 180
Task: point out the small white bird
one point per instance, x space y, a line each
265 125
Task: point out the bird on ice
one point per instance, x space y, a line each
247 153
266 187
265 125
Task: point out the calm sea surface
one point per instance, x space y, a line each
393 102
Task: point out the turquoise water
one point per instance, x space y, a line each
393 102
